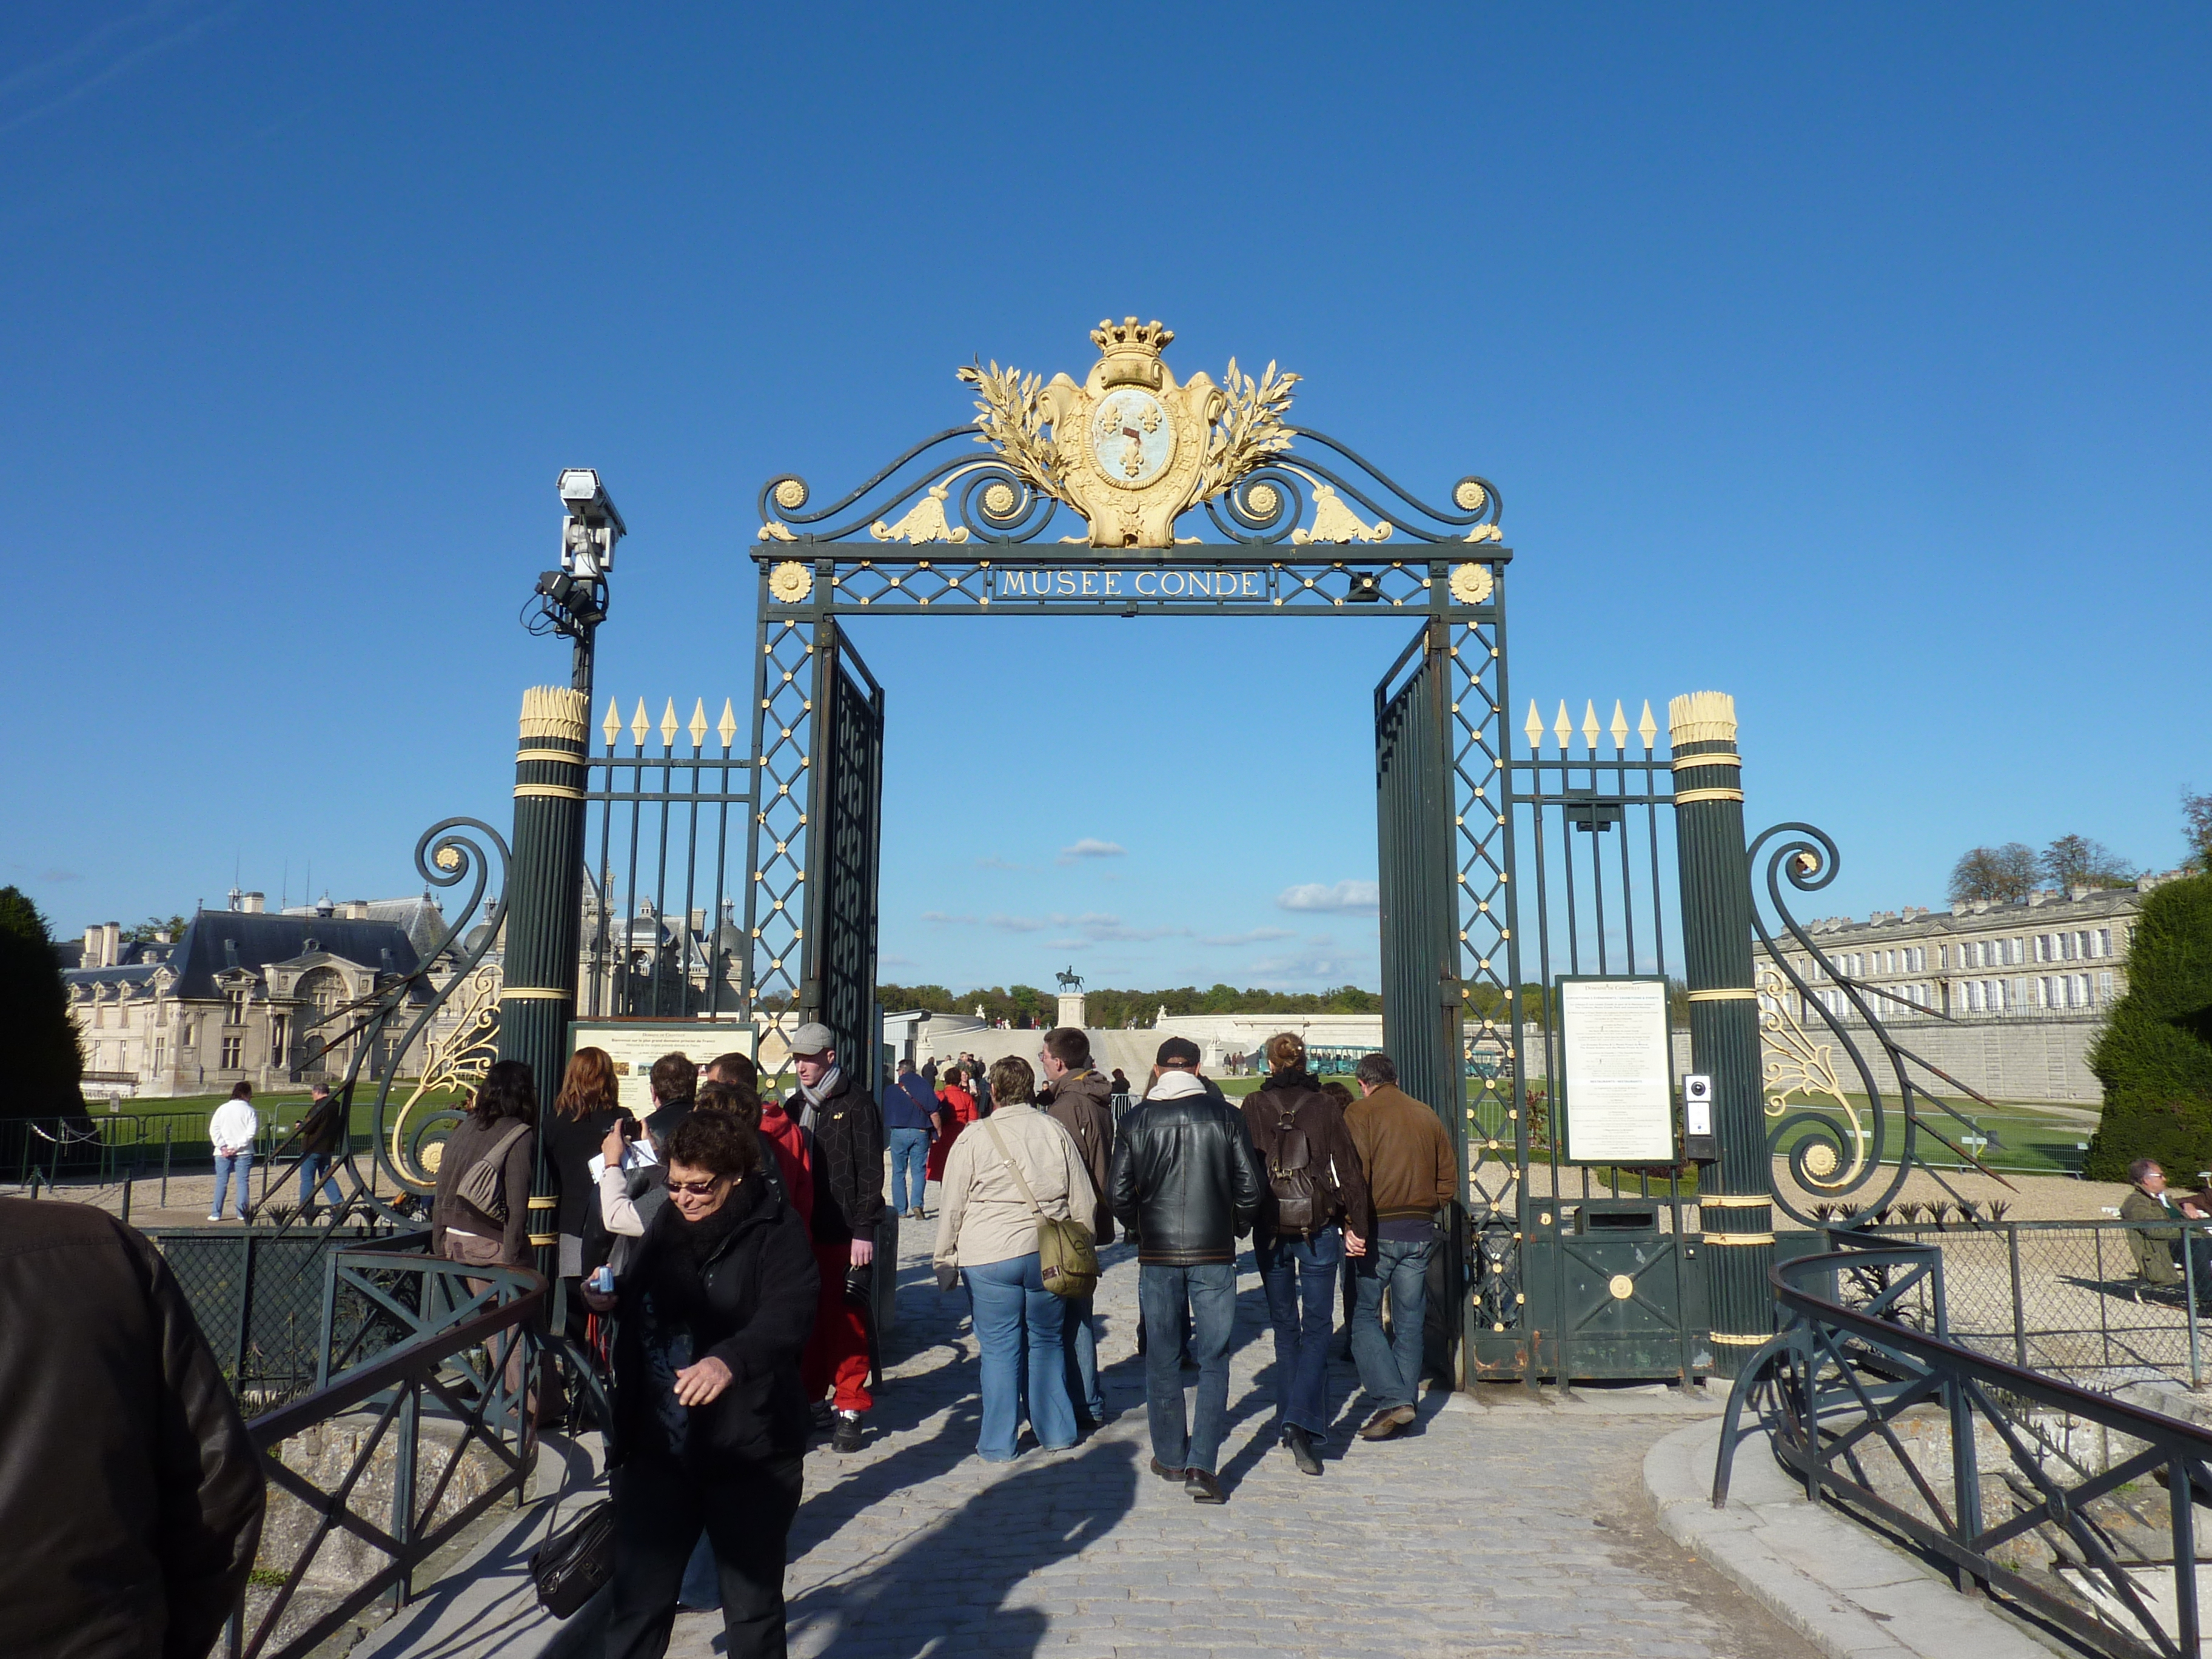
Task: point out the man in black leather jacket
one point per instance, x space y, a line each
1186 1183
131 1497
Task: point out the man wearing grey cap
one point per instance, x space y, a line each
848 1202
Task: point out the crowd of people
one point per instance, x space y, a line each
717 1254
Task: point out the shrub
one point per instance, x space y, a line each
2155 1055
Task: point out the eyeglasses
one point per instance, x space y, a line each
697 1189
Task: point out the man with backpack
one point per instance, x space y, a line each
1303 1234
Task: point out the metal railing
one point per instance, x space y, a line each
2094 1499
53 1153
467 1359
2064 1298
272 1302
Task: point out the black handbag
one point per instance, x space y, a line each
571 1566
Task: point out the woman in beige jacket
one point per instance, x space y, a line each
987 1232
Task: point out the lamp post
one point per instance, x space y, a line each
537 993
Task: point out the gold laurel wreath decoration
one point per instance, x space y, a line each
1011 423
1248 429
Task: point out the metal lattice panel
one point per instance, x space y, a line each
841 962
783 744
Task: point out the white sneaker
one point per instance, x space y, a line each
215 1217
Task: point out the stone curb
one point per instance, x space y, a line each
1846 1591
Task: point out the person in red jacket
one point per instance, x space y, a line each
960 1111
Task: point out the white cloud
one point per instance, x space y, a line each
1254 936
1317 968
1090 848
1317 895
995 862
1092 927
939 917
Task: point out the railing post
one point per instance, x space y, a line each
2019 1310
2180 1498
403 1490
538 998
1735 1204
2189 1291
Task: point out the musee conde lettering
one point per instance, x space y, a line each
1149 583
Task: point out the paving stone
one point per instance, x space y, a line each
1507 1522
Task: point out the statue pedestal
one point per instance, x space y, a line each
1071 1009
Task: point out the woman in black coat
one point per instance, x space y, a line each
710 1424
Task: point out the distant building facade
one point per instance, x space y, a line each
245 995
2006 997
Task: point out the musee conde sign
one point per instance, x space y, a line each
1145 583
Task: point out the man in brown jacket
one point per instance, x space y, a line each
1408 1161
1079 1100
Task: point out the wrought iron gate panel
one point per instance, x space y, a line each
1594 836
1413 865
660 939
838 977
784 689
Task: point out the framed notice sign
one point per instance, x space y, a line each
635 1044
1616 1093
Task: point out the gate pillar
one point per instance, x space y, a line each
1734 1210
538 997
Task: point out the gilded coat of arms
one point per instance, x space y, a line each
1130 448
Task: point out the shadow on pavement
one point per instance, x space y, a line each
957 1577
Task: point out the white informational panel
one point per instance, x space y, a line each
635 1044
1617 1098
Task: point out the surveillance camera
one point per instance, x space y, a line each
589 506
1696 1086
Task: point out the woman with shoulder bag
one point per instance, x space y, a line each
1006 1177
710 1421
481 1216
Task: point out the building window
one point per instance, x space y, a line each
235 1008
2105 986
234 1053
2104 942
276 1035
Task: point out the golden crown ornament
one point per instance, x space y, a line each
1130 449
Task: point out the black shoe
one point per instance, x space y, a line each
1301 1451
1167 1474
847 1436
1203 1487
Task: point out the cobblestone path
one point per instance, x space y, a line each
1518 1527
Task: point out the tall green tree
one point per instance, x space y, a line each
2154 1054
41 1065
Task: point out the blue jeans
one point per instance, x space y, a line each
1083 1385
1209 1293
909 1154
1299 1276
1390 1368
1020 1326
243 1163
312 1165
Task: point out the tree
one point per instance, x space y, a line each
2155 1055
2196 825
2076 861
146 931
2000 874
41 1065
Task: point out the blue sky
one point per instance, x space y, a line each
1852 361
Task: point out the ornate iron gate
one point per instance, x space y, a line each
838 979
1423 1012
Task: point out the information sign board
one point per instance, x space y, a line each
1617 1096
635 1044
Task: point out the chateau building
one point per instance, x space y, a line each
2007 997
244 995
